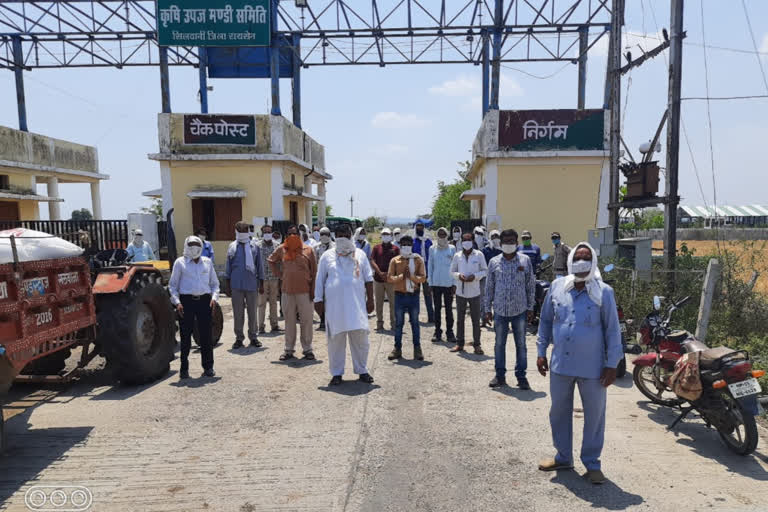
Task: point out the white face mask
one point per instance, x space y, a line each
467 245
496 243
406 250
138 239
316 235
344 245
442 243
479 240
242 237
360 238
201 237
456 236
325 239
276 239
581 266
397 237
386 239
267 237
195 251
508 248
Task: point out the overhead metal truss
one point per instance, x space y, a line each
121 33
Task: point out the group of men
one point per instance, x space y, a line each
345 280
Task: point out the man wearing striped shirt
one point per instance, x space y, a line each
509 298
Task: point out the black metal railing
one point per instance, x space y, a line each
101 234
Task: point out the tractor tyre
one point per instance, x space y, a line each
52 364
135 332
217 326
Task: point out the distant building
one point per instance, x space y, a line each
218 169
752 215
28 159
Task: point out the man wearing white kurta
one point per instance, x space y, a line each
344 292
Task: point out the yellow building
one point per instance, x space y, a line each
28 159
543 171
217 169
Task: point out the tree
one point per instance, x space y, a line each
156 207
82 214
372 223
328 209
448 205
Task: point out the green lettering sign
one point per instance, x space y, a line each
213 23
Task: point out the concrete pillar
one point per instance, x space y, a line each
96 200
308 205
54 211
321 204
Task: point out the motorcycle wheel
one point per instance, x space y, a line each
646 383
742 439
621 369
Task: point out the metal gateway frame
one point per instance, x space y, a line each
122 33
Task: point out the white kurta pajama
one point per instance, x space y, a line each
340 284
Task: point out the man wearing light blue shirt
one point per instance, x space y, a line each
139 250
246 278
202 234
442 284
579 319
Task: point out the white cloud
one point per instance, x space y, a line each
461 86
465 86
397 120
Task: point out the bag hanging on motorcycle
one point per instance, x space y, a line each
686 380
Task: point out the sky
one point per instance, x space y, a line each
392 133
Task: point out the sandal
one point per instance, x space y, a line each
286 356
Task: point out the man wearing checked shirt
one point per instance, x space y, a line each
509 297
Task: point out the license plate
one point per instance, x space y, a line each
624 328
744 388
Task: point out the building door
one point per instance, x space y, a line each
9 210
294 212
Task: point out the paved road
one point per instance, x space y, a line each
427 436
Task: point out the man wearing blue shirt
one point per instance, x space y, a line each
246 278
509 298
202 234
531 250
139 250
421 245
441 282
579 319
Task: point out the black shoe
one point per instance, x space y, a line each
209 373
395 354
255 344
321 327
366 377
451 337
238 344
335 381
523 384
262 330
418 354
183 374
309 356
275 329
437 338
497 382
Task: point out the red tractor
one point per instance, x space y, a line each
50 307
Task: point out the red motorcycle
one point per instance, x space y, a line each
730 388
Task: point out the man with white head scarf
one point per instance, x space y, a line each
306 238
579 319
139 250
344 294
324 245
246 280
396 234
361 242
194 287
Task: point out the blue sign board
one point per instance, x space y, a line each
248 62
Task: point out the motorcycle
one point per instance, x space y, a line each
542 288
728 400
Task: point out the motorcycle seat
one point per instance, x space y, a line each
694 345
678 336
709 357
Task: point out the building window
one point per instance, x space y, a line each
218 216
294 212
5 182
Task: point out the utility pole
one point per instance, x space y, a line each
673 136
583 46
351 206
613 86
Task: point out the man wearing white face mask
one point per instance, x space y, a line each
468 268
271 281
324 245
243 270
140 250
381 255
442 285
305 237
194 287
579 319
407 273
456 237
361 242
396 237
509 299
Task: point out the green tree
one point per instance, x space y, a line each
82 214
328 209
448 205
372 223
155 207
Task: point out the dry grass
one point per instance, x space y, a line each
741 249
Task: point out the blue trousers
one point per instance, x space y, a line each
409 303
501 326
593 398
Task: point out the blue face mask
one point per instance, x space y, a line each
556 241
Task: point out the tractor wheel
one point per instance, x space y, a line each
135 332
52 364
217 326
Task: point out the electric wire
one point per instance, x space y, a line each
754 44
709 126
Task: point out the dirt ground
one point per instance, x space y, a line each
427 436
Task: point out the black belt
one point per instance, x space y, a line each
409 294
195 297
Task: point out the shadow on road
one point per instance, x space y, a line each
608 495
298 363
195 382
246 351
351 388
706 442
520 394
474 357
625 382
412 363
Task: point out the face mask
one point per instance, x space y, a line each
556 241
360 238
201 237
467 245
344 245
527 243
325 239
195 251
242 237
442 243
479 240
316 235
138 239
398 236
508 248
496 243
406 250
275 239
456 236
420 232
387 239
267 237
581 266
